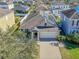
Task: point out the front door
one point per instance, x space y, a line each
35 35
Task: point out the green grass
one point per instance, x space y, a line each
71 51
58 19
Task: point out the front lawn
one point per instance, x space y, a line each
71 51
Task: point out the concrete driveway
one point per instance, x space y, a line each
49 51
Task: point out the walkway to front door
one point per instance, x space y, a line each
49 51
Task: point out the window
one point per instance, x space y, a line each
77 23
77 31
73 31
72 22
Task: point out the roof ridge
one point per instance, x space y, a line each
73 15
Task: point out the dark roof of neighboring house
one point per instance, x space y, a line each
71 13
19 7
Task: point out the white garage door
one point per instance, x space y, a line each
48 35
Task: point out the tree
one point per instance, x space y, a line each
17 46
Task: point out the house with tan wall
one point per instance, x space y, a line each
6 19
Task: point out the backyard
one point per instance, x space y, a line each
71 51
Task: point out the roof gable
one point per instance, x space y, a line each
72 13
69 12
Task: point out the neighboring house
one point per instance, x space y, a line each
28 0
7 19
6 4
41 27
21 10
74 4
6 0
70 20
58 7
17 0
73 1
57 1
23 1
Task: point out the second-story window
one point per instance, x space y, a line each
77 23
73 23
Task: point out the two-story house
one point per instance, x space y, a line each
7 18
58 7
70 20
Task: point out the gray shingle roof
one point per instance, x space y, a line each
37 21
21 8
31 23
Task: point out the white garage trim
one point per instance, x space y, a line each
48 34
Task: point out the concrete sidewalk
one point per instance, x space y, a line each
48 51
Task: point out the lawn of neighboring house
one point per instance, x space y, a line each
71 51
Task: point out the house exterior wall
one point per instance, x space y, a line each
67 25
56 12
56 9
45 33
61 6
75 26
7 21
9 6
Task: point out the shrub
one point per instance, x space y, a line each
61 37
73 38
